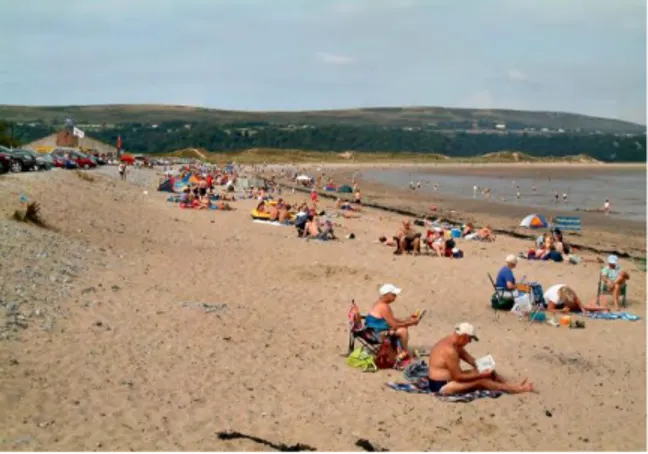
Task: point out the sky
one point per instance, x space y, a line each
581 56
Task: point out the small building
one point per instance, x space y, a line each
65 138
500 126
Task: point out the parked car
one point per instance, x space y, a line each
60 162
5 162
41 162
80 159
22 161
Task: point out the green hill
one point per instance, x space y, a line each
434 117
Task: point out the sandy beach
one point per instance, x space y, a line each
136 325
599 231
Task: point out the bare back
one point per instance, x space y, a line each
443 357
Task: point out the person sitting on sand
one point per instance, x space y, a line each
313 230
381 319
446 376
205 203
485 234
561 298
224 206
559 243
274 212
284 214
261 207
408 239
506 279
356 197
436 241
613 279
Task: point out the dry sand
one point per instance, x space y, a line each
124 364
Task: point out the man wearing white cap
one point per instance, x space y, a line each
381 318
613 280
446 376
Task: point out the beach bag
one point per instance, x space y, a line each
502 304
361 359
386 356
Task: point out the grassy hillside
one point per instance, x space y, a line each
275 156
406 116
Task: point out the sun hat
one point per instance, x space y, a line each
389 288
613 260
511 258
466 329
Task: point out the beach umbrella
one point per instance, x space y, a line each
534 221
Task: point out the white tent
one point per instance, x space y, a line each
303 178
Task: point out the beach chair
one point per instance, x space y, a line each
500 301
359 332
600 293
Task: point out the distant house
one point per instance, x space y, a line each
500 126
65 138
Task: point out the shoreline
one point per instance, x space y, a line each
600 233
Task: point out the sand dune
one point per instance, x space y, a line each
132 360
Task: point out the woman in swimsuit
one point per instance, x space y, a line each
382 321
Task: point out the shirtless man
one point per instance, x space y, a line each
284 214
446 376
408 239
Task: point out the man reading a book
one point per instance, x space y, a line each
446 376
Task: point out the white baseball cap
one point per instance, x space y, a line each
389 288
512 259
466 329
613 260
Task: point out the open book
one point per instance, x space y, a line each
485 363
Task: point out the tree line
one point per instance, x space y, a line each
174 135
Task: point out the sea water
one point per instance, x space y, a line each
625 188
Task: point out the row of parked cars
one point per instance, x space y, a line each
23 160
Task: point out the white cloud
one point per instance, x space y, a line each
333 59
517 76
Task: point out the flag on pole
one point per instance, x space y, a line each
119 143
77 132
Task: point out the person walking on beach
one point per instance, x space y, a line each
446 377
556 196
606 206
517 194
475 190
533 189
564 197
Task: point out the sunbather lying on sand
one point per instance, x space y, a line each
387 242
382 321
447 377
468 229
409 240
561 298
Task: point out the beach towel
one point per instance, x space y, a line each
419 388
275 223
614 316
416 371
